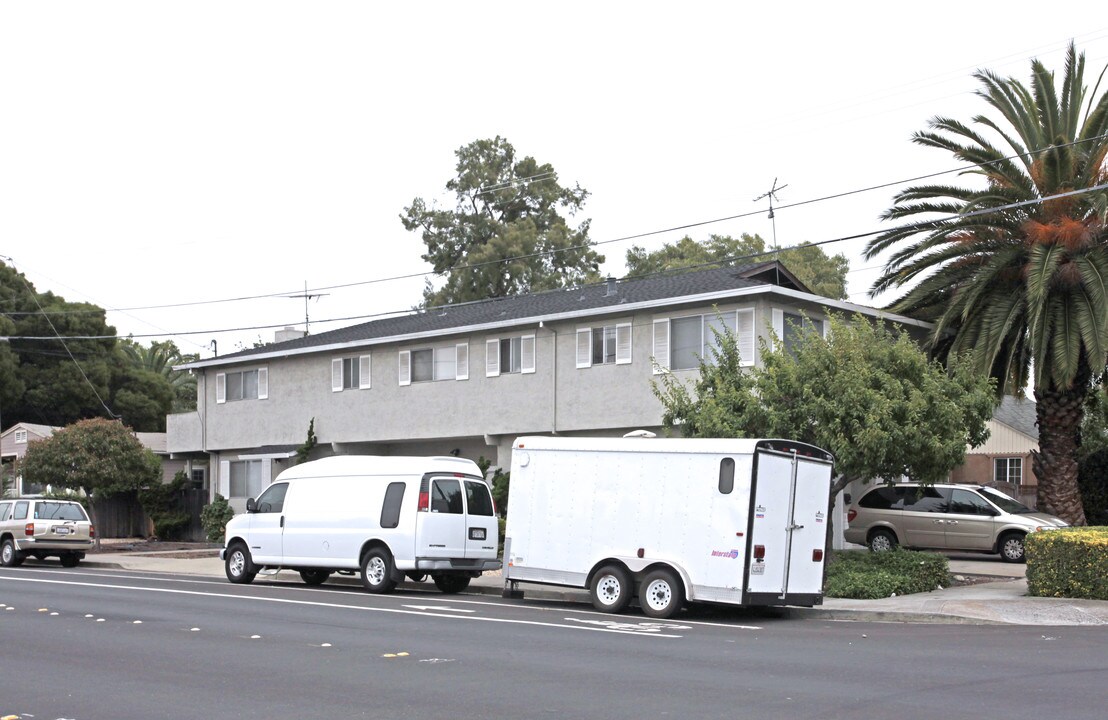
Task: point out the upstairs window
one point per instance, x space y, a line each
350 373
681 342
447 362
605 345
790 327
242 385
504 356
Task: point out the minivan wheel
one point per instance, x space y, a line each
1011 548
9 556
238 567
314 577
451 584
377 571
881 540
661 594
611 589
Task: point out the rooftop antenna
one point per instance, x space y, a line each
772 195
307 296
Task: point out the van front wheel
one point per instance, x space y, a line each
238 566
377 571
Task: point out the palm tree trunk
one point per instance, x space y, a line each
1058 415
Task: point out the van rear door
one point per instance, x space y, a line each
441 524
482 533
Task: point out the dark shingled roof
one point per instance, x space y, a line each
553 302
1017 413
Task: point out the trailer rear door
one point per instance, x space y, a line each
788 524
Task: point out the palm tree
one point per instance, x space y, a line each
160 358
1015 272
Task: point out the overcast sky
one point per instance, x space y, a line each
158 153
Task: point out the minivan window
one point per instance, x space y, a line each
1004 502
966 502
59 511
929 499
273 499
446 497
390 510
478 498
883 498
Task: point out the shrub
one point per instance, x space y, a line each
1092 478
865 575
162 504
1068 562
214 518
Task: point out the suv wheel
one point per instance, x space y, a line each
9 556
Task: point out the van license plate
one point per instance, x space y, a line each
477 533
61 531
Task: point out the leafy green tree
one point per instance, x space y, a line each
1023 287
508 233
822 274
99 457
161 358
11 385
304 452
140 398
868 395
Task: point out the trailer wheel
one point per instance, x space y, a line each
377 571
611 589
661 594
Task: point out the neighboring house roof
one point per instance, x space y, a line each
43 431
714 284
1019 414
153 441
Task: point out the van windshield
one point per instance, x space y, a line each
1004 502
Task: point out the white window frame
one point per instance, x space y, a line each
263 384
21 437
745 337
622 341
526 355
1008 461
338 372
461 362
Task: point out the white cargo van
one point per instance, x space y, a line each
386 517
740 522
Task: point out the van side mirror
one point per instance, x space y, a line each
847 499
251 505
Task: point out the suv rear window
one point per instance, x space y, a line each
59 511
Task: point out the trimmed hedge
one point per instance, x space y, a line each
1068 562
865 575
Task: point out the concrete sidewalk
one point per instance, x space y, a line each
1003 601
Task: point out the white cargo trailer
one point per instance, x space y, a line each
733 521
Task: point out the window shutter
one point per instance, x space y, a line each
364 369
462 361
584 347
661 346
623 344
745 337
492 358
779 325
405 367
263 383
336 375
221 389
527 354
225 478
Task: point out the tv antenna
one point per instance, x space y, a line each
772 195
307 296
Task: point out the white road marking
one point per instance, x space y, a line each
338 606
439 607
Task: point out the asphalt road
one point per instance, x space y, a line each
88 644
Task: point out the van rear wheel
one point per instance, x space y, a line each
377 571
451 584
238 566
610 589
661 594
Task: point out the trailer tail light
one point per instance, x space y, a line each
851 514
759 552
817 555
29 529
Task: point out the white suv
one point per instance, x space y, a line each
42 528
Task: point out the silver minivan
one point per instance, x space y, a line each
944 517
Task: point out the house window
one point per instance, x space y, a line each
680 343
21 436
246 478
510 355
242 385
350 373
1009 470
448 362
794 326
606 345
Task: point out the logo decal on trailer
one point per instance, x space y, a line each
733 554
760 511
819 516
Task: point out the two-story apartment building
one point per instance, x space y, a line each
468 379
